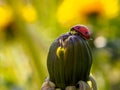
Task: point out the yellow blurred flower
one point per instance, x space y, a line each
6 15
28 13
77 11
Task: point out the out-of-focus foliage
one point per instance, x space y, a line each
28 27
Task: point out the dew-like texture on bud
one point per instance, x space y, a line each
69 60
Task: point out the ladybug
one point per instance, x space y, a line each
82 30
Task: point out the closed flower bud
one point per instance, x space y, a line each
69 60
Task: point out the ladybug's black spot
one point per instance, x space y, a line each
78 27
86 33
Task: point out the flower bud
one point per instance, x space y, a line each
69 60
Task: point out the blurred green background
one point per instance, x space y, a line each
28 27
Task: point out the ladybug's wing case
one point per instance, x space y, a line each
82 30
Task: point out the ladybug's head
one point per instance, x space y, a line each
82 30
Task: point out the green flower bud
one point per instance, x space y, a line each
69 60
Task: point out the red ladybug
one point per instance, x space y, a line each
81 29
